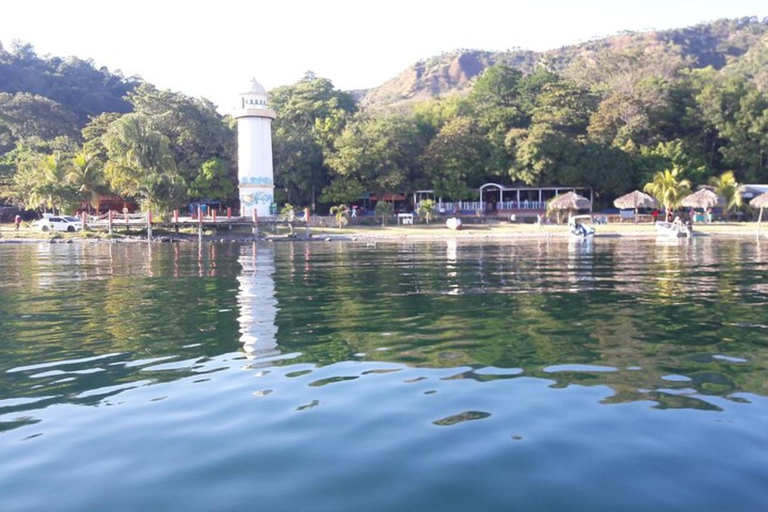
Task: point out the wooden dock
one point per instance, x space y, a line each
112 221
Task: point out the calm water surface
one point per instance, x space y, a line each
545 376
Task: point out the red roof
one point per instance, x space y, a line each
390 197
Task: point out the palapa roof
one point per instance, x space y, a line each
702 198
760 201
569 201
635 199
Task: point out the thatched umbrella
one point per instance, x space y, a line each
635 200
761 202
703 198
569 201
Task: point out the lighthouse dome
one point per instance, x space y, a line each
254 102
257 88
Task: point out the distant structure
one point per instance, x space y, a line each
254 152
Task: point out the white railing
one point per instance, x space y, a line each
462 206
521 205
474 206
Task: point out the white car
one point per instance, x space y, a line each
60 223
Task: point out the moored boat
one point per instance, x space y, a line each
579 228
453 223
672 229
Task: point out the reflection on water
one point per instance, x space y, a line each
536 375
256 301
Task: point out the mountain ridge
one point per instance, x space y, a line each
715 44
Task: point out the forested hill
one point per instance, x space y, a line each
681 107
76 85
718 44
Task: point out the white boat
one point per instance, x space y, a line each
579 227
673 230
453 223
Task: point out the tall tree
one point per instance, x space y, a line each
669 187
87 177
42 183
378 152
213 182
739 113
194 129
727 187
310 115
140 162
24 116
455 158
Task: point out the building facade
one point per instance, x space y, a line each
254 152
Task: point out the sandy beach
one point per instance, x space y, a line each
508 230
434 231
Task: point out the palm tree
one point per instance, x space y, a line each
726 187
87 177
384 210
668 187
53 191
427 209
340 212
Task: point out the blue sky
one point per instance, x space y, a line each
212 49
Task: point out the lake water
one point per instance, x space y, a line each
610 375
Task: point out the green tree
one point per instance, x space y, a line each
495 103
668 187
42 182
726 187
455 159
384 210
341 213
93 133
427 209
666 155
739 114
310 115
87 177
542 155
140 162
380 152
565 107
24 116
195 131
214 181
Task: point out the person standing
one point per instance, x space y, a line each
17 221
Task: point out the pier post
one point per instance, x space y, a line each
149 225
255 216
109 222
306 220
200 223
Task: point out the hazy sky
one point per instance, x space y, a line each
213 48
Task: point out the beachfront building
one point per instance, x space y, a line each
254 152
503 201
749 192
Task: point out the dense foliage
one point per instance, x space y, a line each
670 110
70 133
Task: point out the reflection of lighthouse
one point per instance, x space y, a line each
254 152
257 302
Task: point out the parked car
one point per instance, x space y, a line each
60 223
8 212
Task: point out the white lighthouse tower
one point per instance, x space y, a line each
254 152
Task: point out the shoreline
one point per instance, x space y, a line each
473 232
